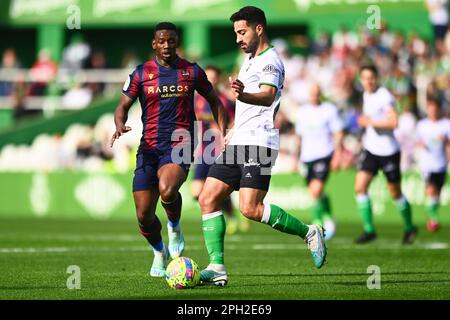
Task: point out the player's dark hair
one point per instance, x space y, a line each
369 67
214 68
252 15
165 26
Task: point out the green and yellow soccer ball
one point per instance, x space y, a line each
182 273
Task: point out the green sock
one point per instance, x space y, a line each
365 211
214 234
317 211
405 210
327 214
284 222
432 207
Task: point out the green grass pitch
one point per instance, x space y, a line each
262 263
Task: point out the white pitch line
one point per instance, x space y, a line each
436 245
70 237
264 247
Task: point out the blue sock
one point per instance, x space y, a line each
173 224
159 246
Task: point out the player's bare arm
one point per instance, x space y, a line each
229 131
447 147
120 118
338 140
265 97
218 110
390 123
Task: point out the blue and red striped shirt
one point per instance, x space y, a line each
166 95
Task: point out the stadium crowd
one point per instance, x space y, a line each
411 67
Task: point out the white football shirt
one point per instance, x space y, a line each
380 142
253 124
317 125
434 136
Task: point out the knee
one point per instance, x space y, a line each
144 215
251 211
207 202
315 192
168 193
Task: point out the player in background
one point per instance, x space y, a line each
251 149
433 138
381 151
204 114
320 131
165 88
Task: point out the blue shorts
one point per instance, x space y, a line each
201 171
147 166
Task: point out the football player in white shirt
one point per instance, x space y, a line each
320 131
380 151
251 150
433 137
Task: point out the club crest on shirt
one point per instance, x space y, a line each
185 73
150 76
270 68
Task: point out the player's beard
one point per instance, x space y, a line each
251 46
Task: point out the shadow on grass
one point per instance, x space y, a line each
30 287
194 296
276 275
383 282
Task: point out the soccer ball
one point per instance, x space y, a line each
182 273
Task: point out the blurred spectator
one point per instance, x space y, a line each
42 72
75 56
398 82
447 40
292 63
9 61
438 15
18 99
97 61
343 41
129 60
386 37
78 97
321 43
299 88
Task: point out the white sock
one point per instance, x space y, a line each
401 201
211 215
216 267
362 198
174 229
432 200
156 252
266 214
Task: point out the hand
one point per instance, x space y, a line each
119 132
364 121
237 86
227 138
